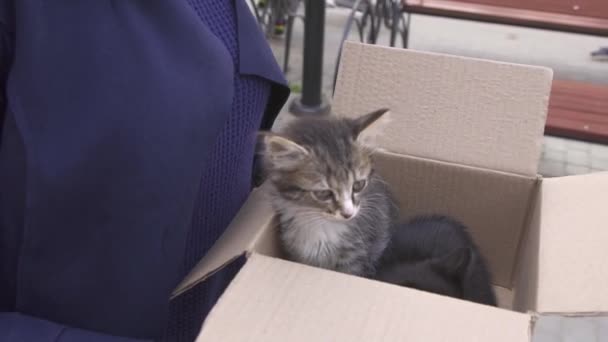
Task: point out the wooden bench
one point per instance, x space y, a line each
577 110
579 16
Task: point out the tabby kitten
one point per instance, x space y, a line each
335 212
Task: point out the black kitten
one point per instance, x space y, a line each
436 254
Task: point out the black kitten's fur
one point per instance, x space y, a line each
436 254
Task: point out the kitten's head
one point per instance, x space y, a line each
320 165
442 275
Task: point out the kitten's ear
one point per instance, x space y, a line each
280 152
455 263
369 124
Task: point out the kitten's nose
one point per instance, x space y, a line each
348 209
347 213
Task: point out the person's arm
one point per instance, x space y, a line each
18 327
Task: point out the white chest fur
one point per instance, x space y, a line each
316 242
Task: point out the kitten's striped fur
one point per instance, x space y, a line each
335 211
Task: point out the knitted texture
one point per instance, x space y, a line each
225 179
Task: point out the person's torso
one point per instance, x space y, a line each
113 110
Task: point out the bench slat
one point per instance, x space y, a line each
584 97
579 88
583 104
578 110
597 25
583 117
582 8
575 129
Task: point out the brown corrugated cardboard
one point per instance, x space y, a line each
274 300
240 236
495 215
525 280
464 140
461 110
573 250
562 266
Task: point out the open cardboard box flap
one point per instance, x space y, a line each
456 109
573 249
562 263
464 140
275 300
240 237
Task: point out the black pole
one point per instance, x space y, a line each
312 101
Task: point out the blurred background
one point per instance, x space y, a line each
569 36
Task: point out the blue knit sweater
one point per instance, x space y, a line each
126 148
226 178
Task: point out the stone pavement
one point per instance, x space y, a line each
567 54
569 157
553 328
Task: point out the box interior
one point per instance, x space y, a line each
535 233
493 205
496 209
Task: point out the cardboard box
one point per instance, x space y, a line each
465 140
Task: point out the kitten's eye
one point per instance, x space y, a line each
323 195
292 192
359 185
292 189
